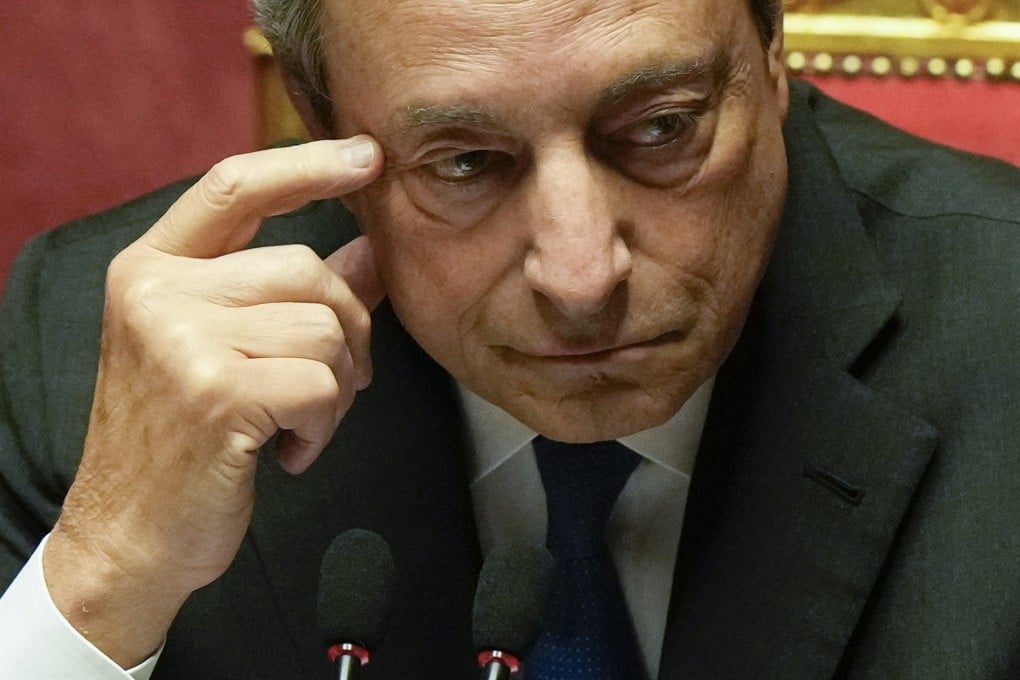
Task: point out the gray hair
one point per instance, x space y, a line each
294 29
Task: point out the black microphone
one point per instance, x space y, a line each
509 607
355 594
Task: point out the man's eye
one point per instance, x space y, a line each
659 130
462 167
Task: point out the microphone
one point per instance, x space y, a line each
355 594
509 607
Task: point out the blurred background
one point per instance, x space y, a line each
103 100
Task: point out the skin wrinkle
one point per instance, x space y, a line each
538 19
489 24
659 75
696 226
325 107
735 86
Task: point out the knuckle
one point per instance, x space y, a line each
126 272
182 347
325 327
362 321
138 303
222 185
356 327
204 380
138 290
323 385
345 397
183 332
299 260
132 297
119 269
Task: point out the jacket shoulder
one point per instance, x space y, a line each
912 176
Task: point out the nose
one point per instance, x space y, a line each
578 256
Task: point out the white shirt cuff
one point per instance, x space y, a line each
37 642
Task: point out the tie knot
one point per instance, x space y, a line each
581 484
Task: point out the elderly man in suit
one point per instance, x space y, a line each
590 222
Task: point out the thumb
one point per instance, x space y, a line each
355 263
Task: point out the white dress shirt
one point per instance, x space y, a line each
37 642
644 527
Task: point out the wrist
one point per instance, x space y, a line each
123 612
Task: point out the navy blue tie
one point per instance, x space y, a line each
588 634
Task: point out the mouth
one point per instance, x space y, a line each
594 352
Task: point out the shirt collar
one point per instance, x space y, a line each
495 435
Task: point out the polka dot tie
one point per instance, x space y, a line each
588 633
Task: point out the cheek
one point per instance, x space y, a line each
751 209
742 198
715 236
438 279
407 262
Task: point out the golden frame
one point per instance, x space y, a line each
964 39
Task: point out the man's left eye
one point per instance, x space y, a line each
657 131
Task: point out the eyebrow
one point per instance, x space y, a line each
667 74
438 116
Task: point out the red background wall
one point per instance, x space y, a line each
979 116
110 99
103 100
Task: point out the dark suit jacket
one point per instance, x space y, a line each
855 505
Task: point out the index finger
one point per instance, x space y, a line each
222 212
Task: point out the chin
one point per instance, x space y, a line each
598 414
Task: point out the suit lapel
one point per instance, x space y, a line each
788 525
804 474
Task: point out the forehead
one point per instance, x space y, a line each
389 54
436 24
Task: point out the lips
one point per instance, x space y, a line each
591 351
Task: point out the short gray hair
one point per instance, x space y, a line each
294 29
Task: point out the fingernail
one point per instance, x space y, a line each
359 154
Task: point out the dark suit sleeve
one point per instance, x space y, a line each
30 496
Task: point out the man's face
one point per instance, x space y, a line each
580 197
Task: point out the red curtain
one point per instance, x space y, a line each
104 100
979 116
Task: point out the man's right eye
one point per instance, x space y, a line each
461 167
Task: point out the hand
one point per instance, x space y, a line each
207 351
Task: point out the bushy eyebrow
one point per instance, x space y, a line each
438 116
655 76
667 74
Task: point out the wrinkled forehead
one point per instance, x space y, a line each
487 20
447 29
372 43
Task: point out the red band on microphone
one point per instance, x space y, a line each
348 649
494 655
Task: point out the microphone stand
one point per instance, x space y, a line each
349 658
497 665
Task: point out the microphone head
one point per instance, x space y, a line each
510 598
356 589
